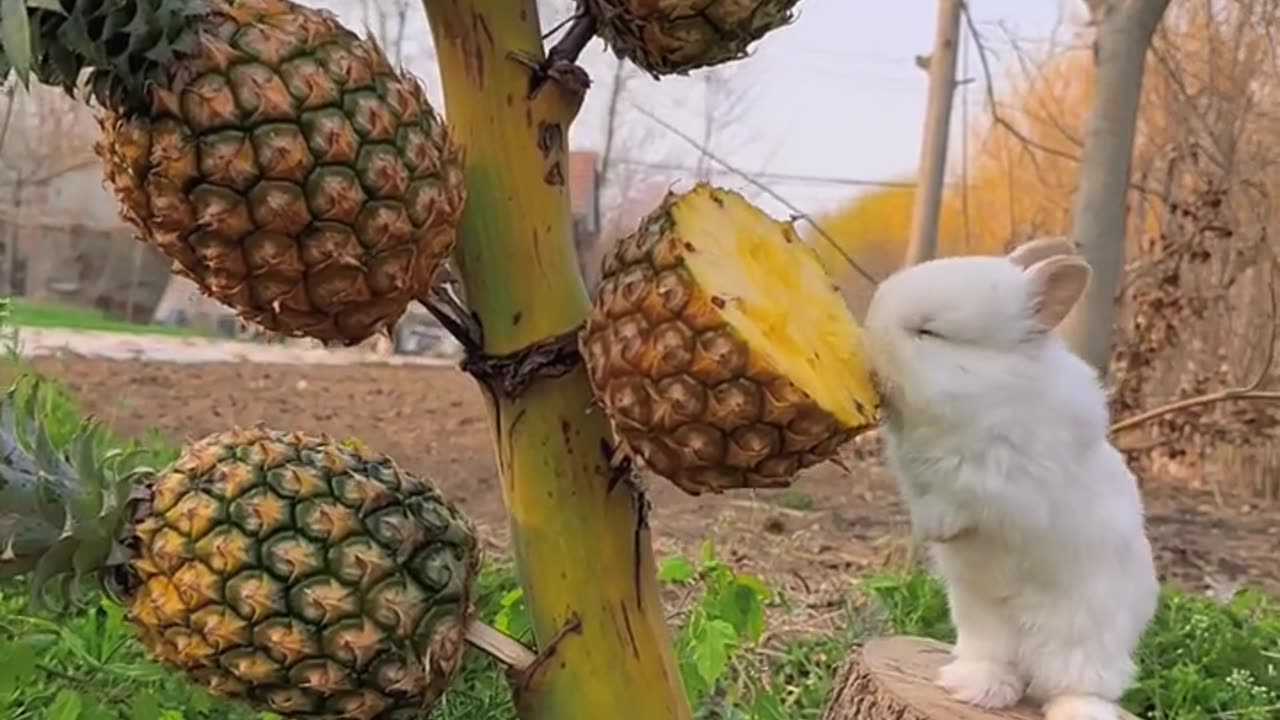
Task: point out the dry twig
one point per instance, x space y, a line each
1000 120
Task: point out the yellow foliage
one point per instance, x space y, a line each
873 229
1210 67
1022 180
1208 59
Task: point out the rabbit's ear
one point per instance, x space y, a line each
1056 285
1033 251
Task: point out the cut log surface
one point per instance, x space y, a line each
893 679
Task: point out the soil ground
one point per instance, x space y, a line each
813 539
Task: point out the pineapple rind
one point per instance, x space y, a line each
673 38
291 172
305 576
701 393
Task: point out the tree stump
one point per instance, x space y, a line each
892 678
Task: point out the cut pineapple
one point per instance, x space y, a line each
720 350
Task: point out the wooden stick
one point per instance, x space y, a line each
504 648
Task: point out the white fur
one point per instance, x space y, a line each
997 434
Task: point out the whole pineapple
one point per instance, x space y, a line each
672 37
276 157
298 574
720 350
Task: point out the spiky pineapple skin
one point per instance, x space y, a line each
673 37
290 171
686 394
304 576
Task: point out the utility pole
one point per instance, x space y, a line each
941 64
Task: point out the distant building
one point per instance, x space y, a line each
79 193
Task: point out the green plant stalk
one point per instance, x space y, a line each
580 542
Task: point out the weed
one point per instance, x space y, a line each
1198 660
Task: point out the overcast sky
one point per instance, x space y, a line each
836 95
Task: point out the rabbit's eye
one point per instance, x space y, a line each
926 332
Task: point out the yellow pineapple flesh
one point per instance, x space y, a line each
287 168
720 350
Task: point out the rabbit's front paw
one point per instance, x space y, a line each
984 684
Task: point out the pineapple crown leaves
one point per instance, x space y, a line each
120 43
63 508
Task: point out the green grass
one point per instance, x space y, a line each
23 313
1199 660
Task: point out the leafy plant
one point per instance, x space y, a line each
727 618
87 666
1198 660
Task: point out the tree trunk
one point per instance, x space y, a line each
894 678
579 533
13 242
923 242
1125 28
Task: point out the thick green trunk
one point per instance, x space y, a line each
578 534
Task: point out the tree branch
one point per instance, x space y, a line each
1194 402
996 116
999 118
569 47
611 121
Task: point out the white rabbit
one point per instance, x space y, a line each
997 434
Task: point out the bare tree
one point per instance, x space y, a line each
1191 374
1124 32
397 25
725 102
38 146
941 64
619 78
1193 366
624 168
388 20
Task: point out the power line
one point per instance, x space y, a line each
778 177
761 185
781 177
